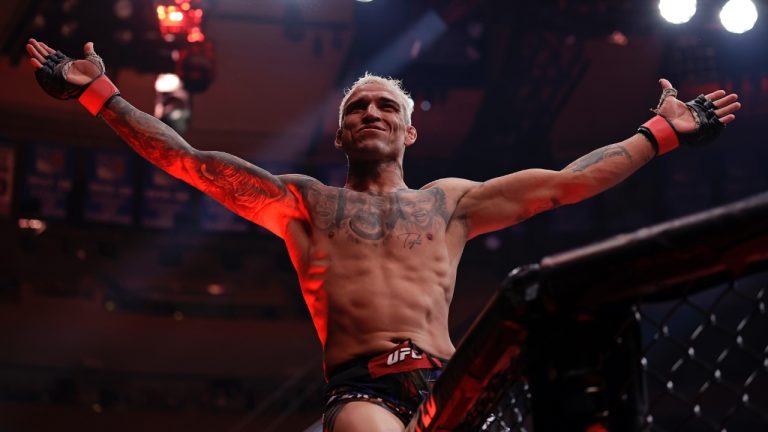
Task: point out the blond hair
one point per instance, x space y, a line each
393 84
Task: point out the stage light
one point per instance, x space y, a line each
195 35
123 9
179 18
172 102
677 11
167 83
738 16
37 226
215 289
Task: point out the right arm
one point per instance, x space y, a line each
242 187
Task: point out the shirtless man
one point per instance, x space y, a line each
376 260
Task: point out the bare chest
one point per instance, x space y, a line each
403 220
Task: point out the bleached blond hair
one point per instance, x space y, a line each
393 84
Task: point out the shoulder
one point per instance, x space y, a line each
453 188
299 180
452 185
301 184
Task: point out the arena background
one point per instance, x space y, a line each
130 302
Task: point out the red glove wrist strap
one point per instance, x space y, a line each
98 92
665 135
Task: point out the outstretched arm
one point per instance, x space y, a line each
241 186
244 188
507 200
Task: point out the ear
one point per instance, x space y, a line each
410 136
337 142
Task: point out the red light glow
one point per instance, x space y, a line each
176 16
180 18
195 35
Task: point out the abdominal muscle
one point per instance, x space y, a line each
367 300
376 269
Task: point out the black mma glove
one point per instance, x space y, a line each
52 77
665 138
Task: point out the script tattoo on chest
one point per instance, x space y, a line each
409 216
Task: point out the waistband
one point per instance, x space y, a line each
404 357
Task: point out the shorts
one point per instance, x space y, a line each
398 381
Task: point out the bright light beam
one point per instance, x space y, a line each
738 16
677 11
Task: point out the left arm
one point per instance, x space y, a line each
507 200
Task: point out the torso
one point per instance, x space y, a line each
377 269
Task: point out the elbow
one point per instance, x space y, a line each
574 192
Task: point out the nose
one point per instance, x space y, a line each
372 113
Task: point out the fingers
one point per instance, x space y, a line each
34 57
726 105
665 84
727 119
715 95
40 48
36 52
88 48
730 109
724 101
47 49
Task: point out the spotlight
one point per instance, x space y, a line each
123 9
167 83
738 16
677 11
36 226
172 102
180 18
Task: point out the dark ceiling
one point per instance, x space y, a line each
535 83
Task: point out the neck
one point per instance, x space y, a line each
375 176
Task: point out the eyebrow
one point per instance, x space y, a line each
360 99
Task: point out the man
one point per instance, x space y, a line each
376 260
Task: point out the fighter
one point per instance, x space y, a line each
376 260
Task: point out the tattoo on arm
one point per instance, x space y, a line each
607 152
151 138
232 181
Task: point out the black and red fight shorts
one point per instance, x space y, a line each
398 381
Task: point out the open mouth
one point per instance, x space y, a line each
420 216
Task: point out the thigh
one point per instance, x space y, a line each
366 416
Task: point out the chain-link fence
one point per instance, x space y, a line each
705 358
662 330
704 363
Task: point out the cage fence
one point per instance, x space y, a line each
703 361
660 330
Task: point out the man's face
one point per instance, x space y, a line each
373 125
322 205
417 207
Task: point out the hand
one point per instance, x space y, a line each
79 73
678 114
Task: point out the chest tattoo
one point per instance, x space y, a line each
408 216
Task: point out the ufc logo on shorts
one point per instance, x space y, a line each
401 355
